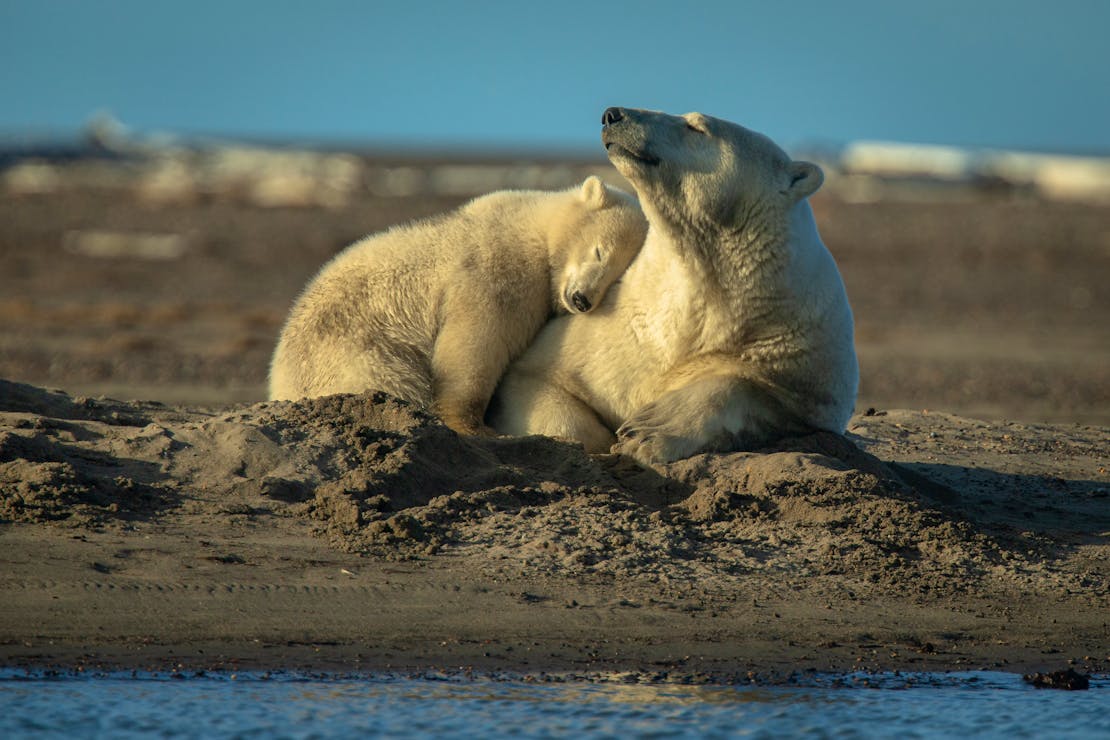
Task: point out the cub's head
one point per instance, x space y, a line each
698 172
600 232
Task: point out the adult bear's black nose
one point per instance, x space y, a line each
611 115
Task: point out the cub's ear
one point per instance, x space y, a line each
805 179
593 193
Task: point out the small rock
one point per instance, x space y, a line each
1069 680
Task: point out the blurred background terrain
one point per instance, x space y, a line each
967 200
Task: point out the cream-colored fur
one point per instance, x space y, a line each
434 311
731 327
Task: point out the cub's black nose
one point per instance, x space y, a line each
581 302
611 115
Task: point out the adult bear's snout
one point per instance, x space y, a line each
612 115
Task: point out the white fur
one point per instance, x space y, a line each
732 326
432 312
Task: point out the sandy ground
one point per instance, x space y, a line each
201 527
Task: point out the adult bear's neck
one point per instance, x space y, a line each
688 242
753 249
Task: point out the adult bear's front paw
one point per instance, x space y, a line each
644 452
648 445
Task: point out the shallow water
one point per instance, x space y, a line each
977 704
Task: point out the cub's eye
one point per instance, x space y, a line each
597 251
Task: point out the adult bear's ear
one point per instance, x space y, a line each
594 193
805 179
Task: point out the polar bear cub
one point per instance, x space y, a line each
731 328
433 312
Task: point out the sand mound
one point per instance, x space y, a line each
78 462
376 476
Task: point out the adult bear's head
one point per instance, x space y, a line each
702 174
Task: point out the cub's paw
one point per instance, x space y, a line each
468 426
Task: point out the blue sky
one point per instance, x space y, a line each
537 75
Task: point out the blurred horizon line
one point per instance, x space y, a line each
103 128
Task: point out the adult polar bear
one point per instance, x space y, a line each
731 327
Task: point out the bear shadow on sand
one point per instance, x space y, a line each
1025 510
926 520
